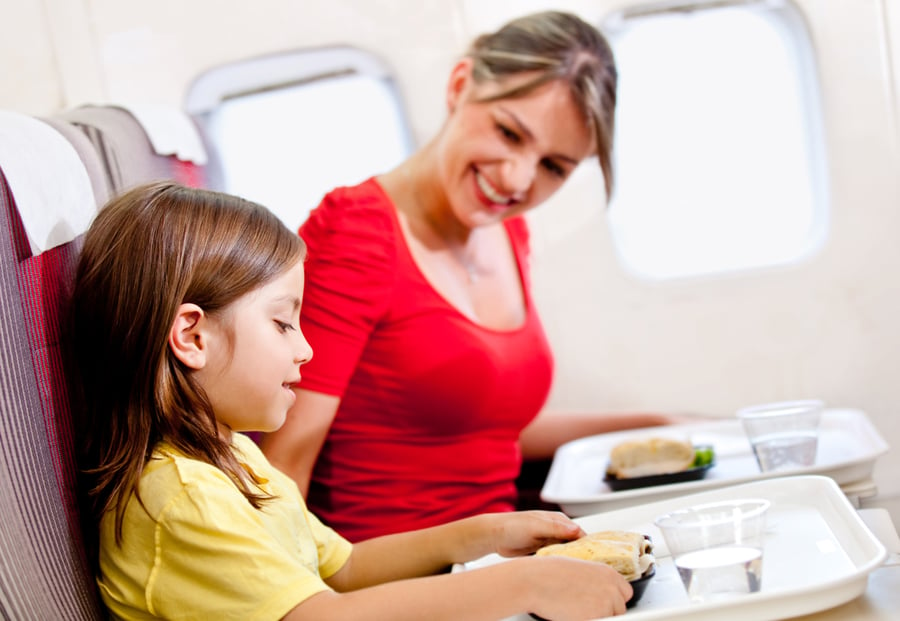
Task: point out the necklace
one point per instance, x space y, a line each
473 273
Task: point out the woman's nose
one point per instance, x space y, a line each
518 175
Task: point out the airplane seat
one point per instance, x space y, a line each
140 143
88 155
214 169
46 202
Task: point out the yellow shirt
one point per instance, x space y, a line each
198 550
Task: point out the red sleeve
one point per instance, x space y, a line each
350 263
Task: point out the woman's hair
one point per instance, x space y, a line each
147 252
555 46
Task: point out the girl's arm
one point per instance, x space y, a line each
554 588
294 448
433 550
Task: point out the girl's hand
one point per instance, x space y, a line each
522 532
572 589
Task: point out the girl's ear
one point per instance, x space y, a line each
457 86
187 338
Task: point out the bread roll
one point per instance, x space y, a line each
650 456
626 552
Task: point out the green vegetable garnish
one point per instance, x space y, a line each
703 456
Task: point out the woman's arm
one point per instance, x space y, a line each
293 449
547 432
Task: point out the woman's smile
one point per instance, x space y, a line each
496 198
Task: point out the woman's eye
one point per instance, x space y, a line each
554 168
507 133
283 326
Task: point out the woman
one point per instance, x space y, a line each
434 359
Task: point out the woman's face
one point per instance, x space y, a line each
501 158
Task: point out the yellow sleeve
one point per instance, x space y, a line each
216 557
333 549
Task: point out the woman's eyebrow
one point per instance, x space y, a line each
524 130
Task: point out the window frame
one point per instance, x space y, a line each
283 70
797 36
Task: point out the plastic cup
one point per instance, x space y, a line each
717 547
784 435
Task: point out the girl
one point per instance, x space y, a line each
185 310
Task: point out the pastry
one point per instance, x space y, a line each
627 552
650 456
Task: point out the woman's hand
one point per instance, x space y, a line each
523 532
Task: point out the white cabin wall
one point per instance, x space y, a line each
31 78
153 49
62 53
822 328
891 17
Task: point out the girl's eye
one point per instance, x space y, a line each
554 168
284 327
507 133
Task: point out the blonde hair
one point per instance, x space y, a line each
147 252
555 46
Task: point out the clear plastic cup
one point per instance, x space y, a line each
717 547
784 435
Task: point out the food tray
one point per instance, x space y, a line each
848 446
695 473
817 554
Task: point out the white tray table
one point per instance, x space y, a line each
818 553
848 446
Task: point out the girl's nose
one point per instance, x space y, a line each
304 352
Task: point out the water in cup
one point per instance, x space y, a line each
779 451
784 435
720 572
717 547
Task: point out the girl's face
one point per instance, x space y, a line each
501 158
250 379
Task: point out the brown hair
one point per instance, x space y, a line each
147 252
556 46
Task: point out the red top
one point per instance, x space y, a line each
432 403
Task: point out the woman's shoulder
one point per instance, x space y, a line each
366 193
358 221
357 207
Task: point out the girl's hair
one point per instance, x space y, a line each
147 252
556 46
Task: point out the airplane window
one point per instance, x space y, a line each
288 128
719 147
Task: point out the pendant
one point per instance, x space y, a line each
472 273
